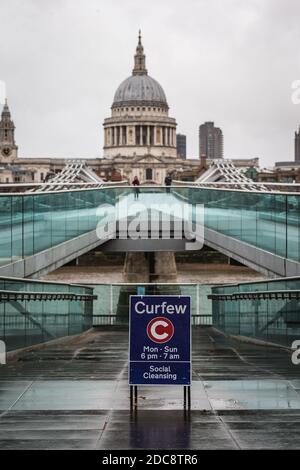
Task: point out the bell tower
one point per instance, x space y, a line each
8 148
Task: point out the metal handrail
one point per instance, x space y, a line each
8 296
232 187
258 295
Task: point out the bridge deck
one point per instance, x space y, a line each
42 231
76 396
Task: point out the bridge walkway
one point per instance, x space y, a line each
75 396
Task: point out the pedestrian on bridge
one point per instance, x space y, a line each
136 184
168 182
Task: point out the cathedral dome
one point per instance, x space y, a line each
139 89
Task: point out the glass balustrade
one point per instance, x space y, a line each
30 223
112 304
270 319
27 322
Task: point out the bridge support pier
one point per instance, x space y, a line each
159 266
136 267
165 269
141 268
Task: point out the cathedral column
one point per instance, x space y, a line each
135 142
166 136
127 135
148 135
120 136
160 131
141 135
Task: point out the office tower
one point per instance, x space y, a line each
210 141
181 145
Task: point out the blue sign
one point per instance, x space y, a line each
160 340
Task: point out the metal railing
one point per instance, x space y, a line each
267 310
114 320
264 187
112 304
34 311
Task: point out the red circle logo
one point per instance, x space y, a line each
160 330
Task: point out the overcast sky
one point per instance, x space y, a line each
229 61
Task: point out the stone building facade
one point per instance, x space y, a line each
140 122
140 136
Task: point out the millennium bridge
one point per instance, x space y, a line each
64 384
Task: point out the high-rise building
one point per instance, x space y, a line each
181 145
297 146
210 141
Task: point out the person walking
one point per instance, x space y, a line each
168 182
136 184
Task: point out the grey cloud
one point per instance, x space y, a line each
231 61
